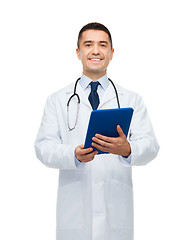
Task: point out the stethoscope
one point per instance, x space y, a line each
78 98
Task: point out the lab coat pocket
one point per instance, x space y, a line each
70 213
120 205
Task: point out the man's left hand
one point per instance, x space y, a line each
116 145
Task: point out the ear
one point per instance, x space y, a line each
78 53
112 52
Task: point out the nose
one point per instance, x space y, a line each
95 49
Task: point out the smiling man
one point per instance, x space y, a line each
95 51
95 193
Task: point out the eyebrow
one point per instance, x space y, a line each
91 41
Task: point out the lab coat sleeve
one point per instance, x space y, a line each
144 145
49 147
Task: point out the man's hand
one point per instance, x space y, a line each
84 155
117 145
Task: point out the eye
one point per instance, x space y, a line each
103 45
88 45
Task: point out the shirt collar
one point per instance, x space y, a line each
85 81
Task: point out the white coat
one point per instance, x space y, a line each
95 199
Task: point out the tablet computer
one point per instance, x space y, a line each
105 122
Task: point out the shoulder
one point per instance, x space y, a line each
128 97
126 92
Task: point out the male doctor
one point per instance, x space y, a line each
95 193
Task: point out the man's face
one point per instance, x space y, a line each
95 52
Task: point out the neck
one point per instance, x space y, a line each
94 76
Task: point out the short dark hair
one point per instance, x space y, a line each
94 26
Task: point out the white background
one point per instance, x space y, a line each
152 57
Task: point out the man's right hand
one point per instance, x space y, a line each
84 155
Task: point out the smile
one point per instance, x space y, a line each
95 59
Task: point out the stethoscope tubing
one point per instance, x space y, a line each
78 98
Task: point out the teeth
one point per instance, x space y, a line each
95 59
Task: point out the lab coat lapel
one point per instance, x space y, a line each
109 95
80 92
83 97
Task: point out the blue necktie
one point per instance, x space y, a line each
93 97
